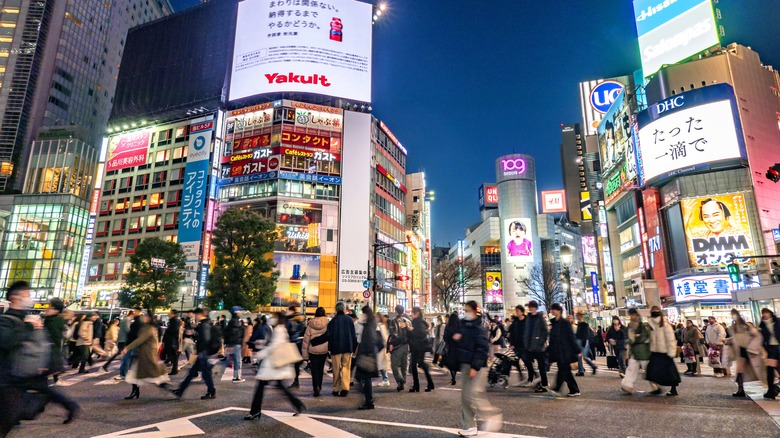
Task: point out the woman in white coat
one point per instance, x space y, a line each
383 357
268 373
662 371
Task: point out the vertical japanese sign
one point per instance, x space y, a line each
194 193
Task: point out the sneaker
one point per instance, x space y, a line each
385 383
238 380
626 389
580 373
573 394
621 375
468 432
594 370
119 378
493 424
540 390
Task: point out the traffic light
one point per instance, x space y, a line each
402 277
773 173
734 272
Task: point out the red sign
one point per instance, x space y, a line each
258 141
651 198
257 154
366 294
314 155
249 168
314 141
197 127
93 209
491 195
127 150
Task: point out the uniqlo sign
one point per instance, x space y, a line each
553 201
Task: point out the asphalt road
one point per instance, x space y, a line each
705 407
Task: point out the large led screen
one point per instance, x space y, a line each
689 132
519 240
672 30
302 47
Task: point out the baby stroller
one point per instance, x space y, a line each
501 367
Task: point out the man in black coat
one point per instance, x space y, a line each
535 339
342 343
564 350
516 335
418 345
172 342
583 340
770 332
205 350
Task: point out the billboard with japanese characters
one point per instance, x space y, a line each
128 150
671 31
717 230
690 132
194 192
707 288
321 47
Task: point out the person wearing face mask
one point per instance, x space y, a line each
418 345
638 351
770 333
535 340
745 343
472 346
616 336
661 369
269 372
713 335
206 345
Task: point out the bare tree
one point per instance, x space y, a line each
450 284
544 285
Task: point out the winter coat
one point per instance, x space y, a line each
516 335
583 332
148 365
639 341
124 328
662 338
473 346
85 333
563 348
692 335
316 327
535 333
438 338
370 345
497 335
713 334
203 336
172 333
55 327
766 335
383 357
12 334
112 332
619 336
233 331
418 338
97 329
341 335
260 335
245 350
451 346
295 328
744 336
267 371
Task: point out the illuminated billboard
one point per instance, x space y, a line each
589 251
717 230
671 31
707 288
616 139
585 206
519 238
194 194
494 292
303 47
128 150
554 201
596 97
689 132
488 196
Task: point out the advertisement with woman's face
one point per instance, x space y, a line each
519 240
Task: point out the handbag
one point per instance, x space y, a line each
366 363
285 354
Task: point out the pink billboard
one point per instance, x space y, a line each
127 150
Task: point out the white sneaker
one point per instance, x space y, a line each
493 423
573 394
468 432
385 383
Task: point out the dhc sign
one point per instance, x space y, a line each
604 94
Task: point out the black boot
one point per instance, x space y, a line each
135 393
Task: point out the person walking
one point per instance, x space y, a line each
234 335
112 333
599 341
55 328
398 342
419 345
171 341
84 334
124 329
770 334
438 340
714 335
691 341
563 350
383 357
745 344
367 366
316 355
497 339
275 366
516 342
246 351
295 327
473 347
661 369
206 346
147 368
132 334
98 332
638 339
616 337
450 352
535 340
342 343
189 323
583 340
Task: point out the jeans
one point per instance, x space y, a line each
472 397
632 371
399 363
317 362
620 355
189 348
565 376
585 349
418 359
342 369
384 375
540 358
257 399
235 355
127 359
203 366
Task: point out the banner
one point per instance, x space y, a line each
717 230
128 150
494 292
195 192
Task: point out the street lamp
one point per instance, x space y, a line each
304 283
566 257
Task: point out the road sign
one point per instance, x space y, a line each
366 284
366 294
776 234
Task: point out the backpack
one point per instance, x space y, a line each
215 343
402 330
32 355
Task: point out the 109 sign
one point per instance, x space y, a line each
513 166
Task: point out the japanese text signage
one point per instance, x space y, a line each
672 30
312 141
321 47
194 193
713 287
689 132
717 230
128 150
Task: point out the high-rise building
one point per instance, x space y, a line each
58 67
418 225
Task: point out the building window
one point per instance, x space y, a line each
159 178
105 207
177 176
130 247
125 183
115 248
174 198
139 202
99 250
142 181
134 225
153 222
171 221
156 200
122 205
119 227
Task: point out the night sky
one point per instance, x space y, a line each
461 82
